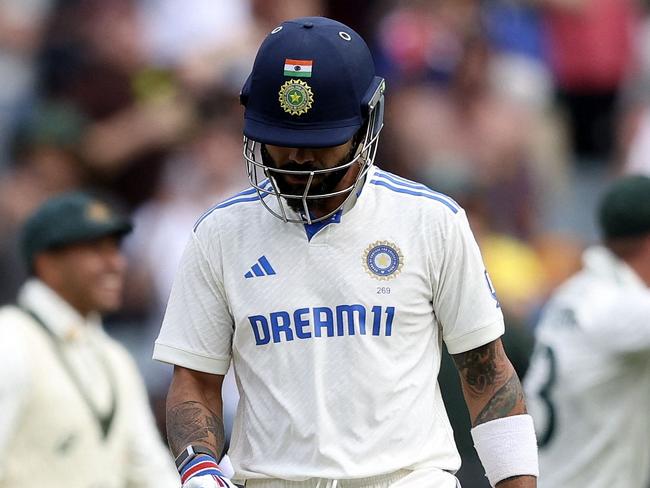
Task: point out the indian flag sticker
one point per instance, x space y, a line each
298 67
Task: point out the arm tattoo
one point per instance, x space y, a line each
480 368
193 423
503 402
490 381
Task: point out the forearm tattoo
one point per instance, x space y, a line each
194 423
480 368
504 401
488 377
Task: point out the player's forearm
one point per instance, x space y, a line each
194 411
492 391
490 384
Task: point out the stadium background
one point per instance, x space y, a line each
521 110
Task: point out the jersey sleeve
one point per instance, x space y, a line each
464 300
197 329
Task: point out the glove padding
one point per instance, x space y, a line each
204 472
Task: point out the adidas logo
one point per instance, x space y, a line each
261 268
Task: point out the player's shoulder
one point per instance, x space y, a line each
584 288
9 313
234 206
412 193
19 333
12 320
575 301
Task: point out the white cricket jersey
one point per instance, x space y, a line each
334 329
588 386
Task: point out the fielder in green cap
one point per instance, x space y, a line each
74 411
69 218
625 216
587 386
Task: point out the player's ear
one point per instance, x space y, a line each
47 266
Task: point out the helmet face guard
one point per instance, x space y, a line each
326 95
264 178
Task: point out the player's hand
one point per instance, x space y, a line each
204 472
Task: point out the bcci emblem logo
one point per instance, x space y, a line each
383 260
296 97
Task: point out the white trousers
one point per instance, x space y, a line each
421 478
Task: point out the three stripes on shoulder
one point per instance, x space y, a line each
402 185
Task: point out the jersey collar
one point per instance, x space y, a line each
58 316
351 201
313 229
601 261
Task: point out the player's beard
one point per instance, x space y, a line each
320 185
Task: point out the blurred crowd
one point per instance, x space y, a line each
522 110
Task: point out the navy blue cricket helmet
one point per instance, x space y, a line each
313 85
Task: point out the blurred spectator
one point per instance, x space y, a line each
515 27
516 270
204 45
518 68
362 18
176 30
638 155
225 60
591 49
45 148
271 13
197 175
94 57
21 28
466 137
421 41
45 161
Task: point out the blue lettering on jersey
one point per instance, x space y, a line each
260 329
306 323
280 322
346 314
323 320
300 323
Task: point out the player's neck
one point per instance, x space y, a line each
640 263
643 271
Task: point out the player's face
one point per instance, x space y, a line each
89 275
311 159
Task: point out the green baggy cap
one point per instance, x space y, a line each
625 208
69 218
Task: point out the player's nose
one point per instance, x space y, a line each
301 155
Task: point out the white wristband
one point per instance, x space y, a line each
507 447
